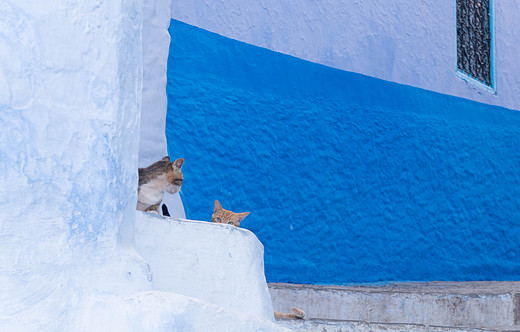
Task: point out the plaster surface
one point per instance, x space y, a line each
486 305
216 263
350 326
405 41
348 178
152 138
69 112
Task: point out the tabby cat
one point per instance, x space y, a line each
223 216
155 179
296 314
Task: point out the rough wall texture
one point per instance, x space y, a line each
481 305
216 263
347 178
156 42
405 41
70 82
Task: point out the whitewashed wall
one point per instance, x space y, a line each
412 42
217 263
70 76
156 43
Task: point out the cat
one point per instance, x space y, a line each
223 216
155 179
296 314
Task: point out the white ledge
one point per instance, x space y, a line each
217 263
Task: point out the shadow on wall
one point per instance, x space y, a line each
348 178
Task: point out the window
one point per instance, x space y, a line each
474 44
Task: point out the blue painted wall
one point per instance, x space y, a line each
348 178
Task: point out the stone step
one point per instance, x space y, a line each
482 305
352 326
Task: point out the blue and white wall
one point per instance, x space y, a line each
404 41
71 77
362 164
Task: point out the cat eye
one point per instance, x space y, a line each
230 223
218 219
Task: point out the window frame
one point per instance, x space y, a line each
463 75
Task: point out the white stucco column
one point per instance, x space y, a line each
70 98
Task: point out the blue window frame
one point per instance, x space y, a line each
475 41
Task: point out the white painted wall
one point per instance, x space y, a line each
70 82
156 44
217 263
166 312
412 42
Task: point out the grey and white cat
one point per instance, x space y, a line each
157 178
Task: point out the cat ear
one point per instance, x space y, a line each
166 159
242 215
178 163
217 206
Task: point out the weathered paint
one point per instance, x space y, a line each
449 304
348 178
216 263
357 326
152 141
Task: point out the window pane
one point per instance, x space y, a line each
474 39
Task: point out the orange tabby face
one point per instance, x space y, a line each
222 216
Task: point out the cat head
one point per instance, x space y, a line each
222 216
174 175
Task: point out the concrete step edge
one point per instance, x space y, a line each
464 304
362 326
433 287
